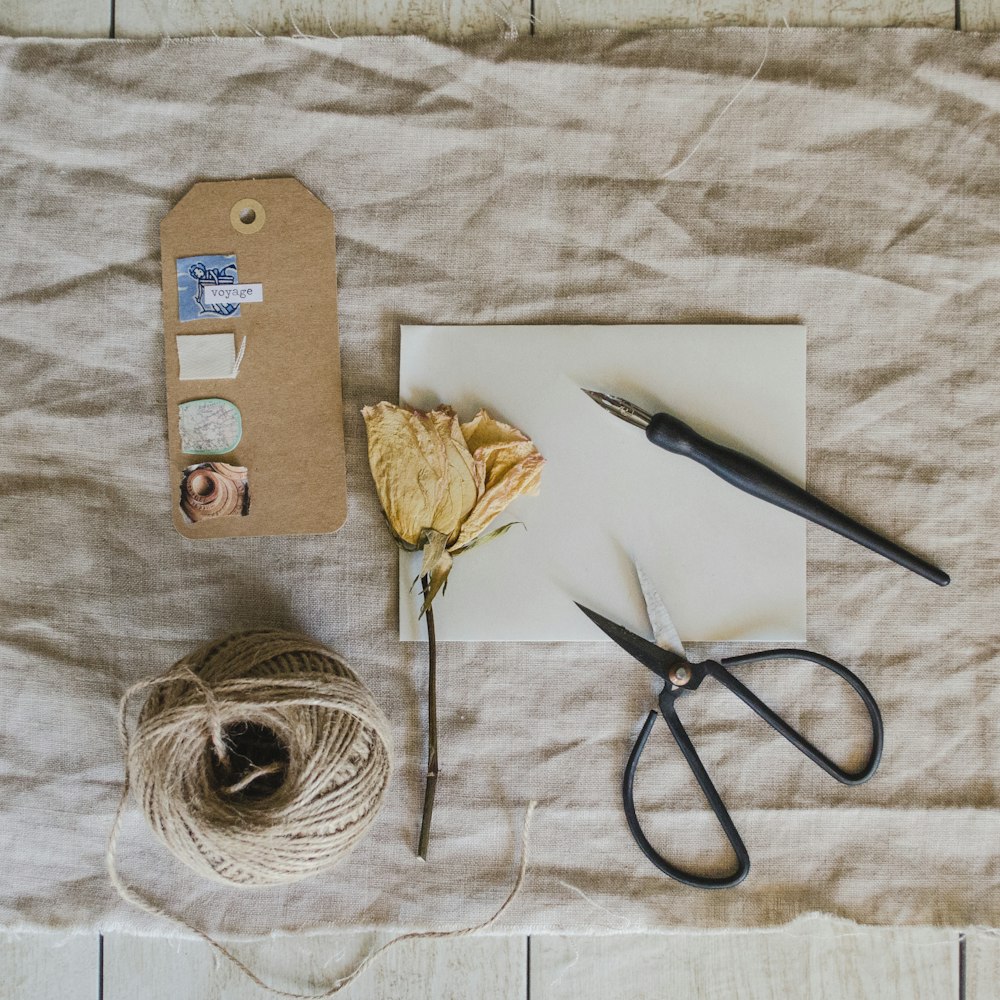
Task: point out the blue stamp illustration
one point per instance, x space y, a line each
194 275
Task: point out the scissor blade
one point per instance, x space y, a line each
664 628
647 653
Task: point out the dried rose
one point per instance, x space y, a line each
442 483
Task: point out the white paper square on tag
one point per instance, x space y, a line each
206 355
728 566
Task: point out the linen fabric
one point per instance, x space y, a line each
852 186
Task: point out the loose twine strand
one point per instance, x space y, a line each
722 114
180 763
239 358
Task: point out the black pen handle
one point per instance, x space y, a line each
758 480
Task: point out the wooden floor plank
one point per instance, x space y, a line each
56 18
980 15
982 965
553 16
815 959
441 19
46 965
485 968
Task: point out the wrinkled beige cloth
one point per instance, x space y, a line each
854 186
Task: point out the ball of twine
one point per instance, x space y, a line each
259 759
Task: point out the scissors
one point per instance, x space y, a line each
667 659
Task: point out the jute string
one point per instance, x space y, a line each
259 760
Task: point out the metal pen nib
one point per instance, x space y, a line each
621 408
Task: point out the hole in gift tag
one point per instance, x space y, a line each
209 426
247 216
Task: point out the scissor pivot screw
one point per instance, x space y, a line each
680 676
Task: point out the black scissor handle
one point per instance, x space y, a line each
714 800
720 672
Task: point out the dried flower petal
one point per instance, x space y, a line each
424 475
464 479
513 468
436 565
482 430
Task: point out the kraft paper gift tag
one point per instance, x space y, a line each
252 263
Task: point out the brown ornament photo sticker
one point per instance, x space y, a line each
214 489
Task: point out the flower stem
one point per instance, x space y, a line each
432 729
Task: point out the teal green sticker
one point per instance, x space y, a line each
210 427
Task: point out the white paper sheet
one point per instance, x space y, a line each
728 566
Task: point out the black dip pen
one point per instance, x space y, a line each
749 475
